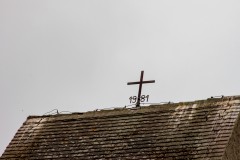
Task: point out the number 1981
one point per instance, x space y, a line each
143 98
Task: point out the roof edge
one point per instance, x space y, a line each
151 108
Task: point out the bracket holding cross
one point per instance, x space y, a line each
140 87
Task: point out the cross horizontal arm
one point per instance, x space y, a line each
131 83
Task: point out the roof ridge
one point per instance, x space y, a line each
142 109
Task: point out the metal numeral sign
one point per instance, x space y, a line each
144 98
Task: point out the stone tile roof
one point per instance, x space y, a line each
207 129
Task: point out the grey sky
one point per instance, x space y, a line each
78 55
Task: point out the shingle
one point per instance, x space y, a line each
193 130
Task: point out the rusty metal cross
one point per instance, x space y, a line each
140 87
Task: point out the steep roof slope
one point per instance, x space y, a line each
193 130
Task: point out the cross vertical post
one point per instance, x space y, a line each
140 87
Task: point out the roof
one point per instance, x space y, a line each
206 129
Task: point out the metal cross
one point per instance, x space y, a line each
140 87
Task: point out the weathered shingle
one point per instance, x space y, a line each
204 129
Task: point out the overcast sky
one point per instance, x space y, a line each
78 56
